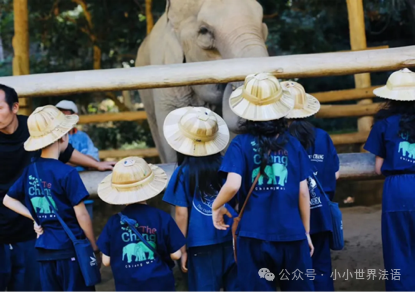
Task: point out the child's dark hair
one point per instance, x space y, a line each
270 136
407 121
304 132
204 168
10 95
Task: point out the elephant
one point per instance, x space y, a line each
197 31
407 149
138 250
276 170
43 205
268 171
281 171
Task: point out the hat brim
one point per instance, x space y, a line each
187 146
122 196
311 107
250 111
36 143
400 94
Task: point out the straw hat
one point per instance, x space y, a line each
196 131
47 125
400 86
131 181
261 98
305 106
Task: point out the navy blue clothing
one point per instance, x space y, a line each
275 199
62 275
13 159
134 265
398 201
212 267
321 259
320 216
324 157
264 265
200 211
64 187
19 268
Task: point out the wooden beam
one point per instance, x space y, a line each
221 71
353 110
112 117
358 42
119 154
368 49
348 94
352 166
349 138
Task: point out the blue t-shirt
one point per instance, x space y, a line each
81 142
133 264
384 141
272 212
323 156
65 189
201 231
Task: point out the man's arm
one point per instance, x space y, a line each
78 158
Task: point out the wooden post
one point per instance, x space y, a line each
358 42
21 46
149 16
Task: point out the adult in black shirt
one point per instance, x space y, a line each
18 266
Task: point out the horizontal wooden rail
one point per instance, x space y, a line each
147 152
221 71
352 166
349 138
353 110
112 117
347 94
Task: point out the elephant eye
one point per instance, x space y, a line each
203 30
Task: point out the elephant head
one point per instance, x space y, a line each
197 31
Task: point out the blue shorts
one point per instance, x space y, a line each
211 268
321 258
62 275
19 269
264 265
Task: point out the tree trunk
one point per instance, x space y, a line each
149 16
1 51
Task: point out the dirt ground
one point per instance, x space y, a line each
363 251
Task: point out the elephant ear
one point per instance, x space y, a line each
179 10
264 31
173 52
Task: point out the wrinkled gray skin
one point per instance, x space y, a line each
196 31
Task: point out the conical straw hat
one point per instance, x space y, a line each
261 98
196 131
400 86
305 106
47 125
131 181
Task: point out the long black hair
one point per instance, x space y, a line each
407 121
270 136
202 171
304 132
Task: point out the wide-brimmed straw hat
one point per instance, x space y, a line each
261 98
305 106
400 86
47 125
196 131
132 180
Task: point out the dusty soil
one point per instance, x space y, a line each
363 251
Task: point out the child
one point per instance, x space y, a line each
138 264
59 269
392 140
198 135
325 165
273 234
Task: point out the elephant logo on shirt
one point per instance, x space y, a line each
407 149
139 251
42 206
272 171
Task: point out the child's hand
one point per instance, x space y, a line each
217 217
183 261
38 229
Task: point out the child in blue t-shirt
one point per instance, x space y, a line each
273 245
198 135
392 140
325 166
59 268
143 261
